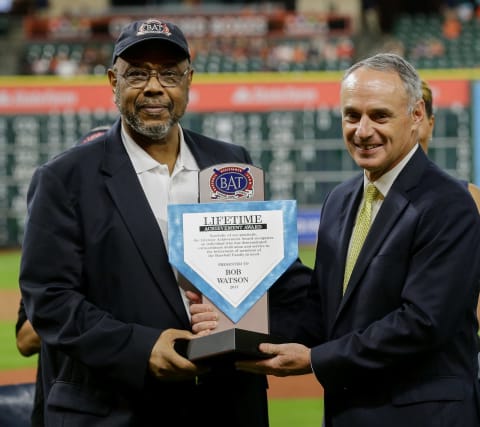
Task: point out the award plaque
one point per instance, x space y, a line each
233 253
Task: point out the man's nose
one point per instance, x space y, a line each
364 128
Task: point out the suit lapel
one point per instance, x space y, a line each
348 211
347 218
390 212
131 202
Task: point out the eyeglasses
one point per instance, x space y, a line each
139 77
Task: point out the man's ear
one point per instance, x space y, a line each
419 112
112 78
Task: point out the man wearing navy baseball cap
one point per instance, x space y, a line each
95 276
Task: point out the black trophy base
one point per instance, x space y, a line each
226 346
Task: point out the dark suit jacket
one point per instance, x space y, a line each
399 349
99 289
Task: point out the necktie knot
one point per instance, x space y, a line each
371 193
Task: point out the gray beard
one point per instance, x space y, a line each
154 132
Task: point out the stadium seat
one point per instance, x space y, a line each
16 403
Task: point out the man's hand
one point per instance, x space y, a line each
204 317
165 363
28 341
287 359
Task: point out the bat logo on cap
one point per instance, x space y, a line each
152 26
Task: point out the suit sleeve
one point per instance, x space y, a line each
55 301
286 297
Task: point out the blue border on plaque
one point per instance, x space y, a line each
176 248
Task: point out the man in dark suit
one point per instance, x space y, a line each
95 276
395 343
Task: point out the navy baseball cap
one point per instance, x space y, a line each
150 29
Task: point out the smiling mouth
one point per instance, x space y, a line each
367 147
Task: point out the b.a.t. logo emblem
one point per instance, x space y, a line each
231 183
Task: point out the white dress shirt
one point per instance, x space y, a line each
162 189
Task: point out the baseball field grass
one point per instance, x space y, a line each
284 412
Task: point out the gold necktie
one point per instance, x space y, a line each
360 231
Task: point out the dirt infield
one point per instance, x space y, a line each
291 387
16 376
294 387
9 300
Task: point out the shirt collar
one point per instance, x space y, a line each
185 157
385 182
143 162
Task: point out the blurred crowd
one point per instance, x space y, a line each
442 36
